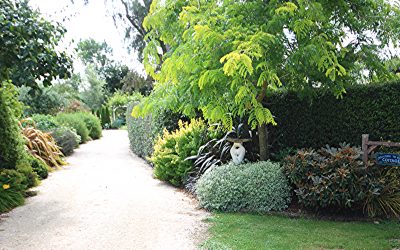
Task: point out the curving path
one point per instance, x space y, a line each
105 199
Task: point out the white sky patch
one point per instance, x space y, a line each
87 21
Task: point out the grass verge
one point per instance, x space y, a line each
247 231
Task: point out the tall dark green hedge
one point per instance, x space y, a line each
324 119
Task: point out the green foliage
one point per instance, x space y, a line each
66 138
45 122
92 124
105 116
39 168
365 109
383 197
11 189
11 143
225 56
133 82
99 56
28 45
336 180
143 131
42 100
252 187
172 149
73 120
328 178
94 94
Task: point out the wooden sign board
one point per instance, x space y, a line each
385 159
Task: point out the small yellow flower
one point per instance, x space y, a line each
6 186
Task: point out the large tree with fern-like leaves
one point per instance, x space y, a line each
227 56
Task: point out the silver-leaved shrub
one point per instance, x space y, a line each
252 187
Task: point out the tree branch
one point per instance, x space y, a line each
132 20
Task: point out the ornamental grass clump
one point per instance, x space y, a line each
172 149
251 187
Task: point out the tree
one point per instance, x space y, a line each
28 46
91 52
93 95
133 82
226 57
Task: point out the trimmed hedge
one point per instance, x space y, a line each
143 131
92 123
252 187
73 120
315 122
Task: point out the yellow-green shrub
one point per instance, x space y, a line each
171 150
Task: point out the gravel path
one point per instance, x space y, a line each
105 199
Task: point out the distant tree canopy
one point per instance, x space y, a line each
28 46
99 55
226 56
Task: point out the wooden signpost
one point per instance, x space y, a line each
368 146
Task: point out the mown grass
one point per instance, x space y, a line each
247 231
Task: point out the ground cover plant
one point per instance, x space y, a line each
251 187
248 231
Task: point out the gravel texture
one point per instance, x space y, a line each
105 199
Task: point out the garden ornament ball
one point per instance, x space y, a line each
237 150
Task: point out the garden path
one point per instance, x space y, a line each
105 199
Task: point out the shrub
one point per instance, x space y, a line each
45 122
11 141
364 109
43 147
143 131
328 178
92 124
335 179
66 138
11 189
39 168
117 123
73 120
172 149
253 187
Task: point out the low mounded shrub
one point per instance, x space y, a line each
253 187
172 149
66 138
92 124
75 121
45 122
336 180
39 168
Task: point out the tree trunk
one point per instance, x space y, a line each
263 141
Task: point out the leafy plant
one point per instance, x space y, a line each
215 152
66 138
253 187
45 122
11 143
73 120
11 189
383 197
39 168
43 100
171 150
330 178
143 131
92 124
43 147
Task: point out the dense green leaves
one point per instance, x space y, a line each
28 46
226 55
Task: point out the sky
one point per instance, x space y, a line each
87 21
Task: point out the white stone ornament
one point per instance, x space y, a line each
237 153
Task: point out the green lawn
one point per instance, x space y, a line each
246 231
